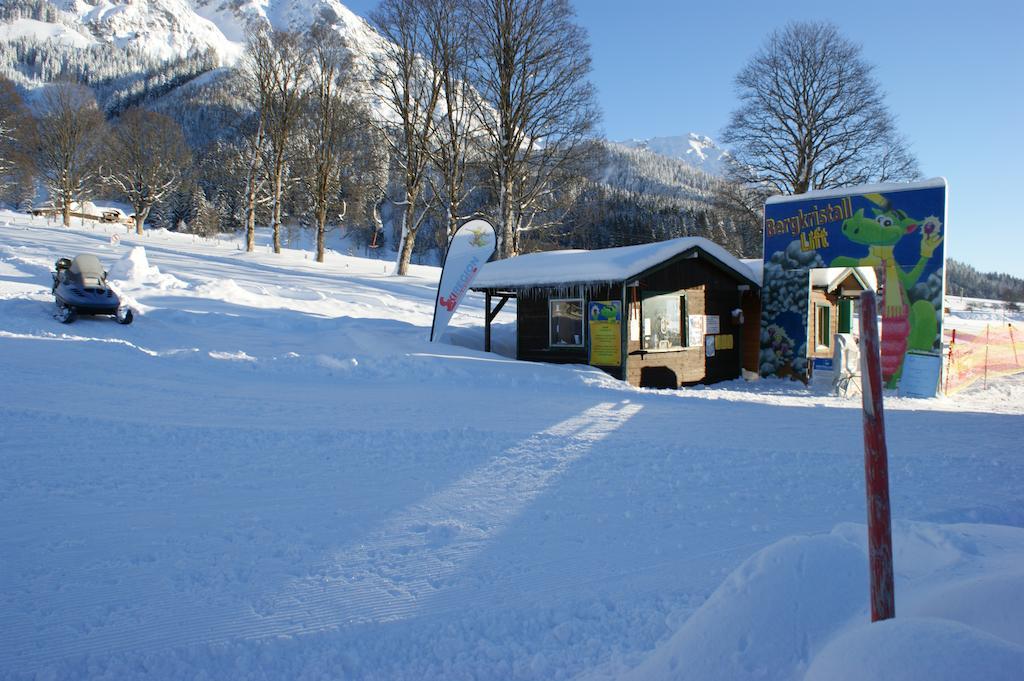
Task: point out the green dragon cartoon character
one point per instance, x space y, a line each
904 326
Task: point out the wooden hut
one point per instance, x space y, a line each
658 315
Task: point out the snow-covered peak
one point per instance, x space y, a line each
167 29
699 151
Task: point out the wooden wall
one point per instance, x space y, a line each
751 343
532 329
819 297
709 291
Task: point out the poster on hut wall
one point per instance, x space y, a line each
897 229
605 326
695 330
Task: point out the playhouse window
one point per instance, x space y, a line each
566 322
664 321
823 317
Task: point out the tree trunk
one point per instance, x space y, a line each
321 227
378 222
250 223
408 236
508 222
66 210
277 212
140 219
453 222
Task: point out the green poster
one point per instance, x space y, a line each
605 326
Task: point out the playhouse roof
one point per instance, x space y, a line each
560 268
830 278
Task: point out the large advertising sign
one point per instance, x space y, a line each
897 229
605 322
471 246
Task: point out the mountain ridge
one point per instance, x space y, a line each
694 149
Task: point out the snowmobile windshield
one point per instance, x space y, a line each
88 269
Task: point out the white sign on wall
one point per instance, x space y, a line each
695 326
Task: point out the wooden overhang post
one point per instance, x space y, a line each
489 315
876 465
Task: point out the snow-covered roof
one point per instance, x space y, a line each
756 267
560 268
887 188
831 277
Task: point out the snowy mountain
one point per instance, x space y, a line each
698 151
635 195
644 170
173 56
170 29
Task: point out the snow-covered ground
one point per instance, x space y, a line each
272 474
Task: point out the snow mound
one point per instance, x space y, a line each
915 649
134 271
783 602
798 610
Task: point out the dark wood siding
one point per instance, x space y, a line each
751 332
533 341
709 291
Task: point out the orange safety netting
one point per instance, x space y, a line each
981 354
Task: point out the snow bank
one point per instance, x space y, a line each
134 271
917 649
798 610
762 622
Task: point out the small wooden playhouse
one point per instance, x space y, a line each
657 315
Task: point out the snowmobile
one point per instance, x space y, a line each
80 288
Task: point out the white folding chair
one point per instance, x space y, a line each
847 366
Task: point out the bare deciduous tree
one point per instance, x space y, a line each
330 125
374 177
458 115
257 67
16 138
287 100
71 134
404 72
278 70
812 116
532 65
148 156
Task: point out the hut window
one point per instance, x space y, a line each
823 314
566 322
664 320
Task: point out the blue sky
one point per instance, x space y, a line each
953 73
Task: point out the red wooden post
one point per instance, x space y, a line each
876 465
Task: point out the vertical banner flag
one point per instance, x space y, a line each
470 247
